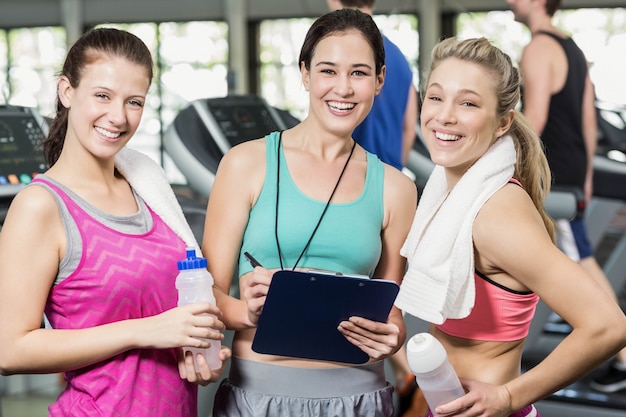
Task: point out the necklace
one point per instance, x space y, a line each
319 221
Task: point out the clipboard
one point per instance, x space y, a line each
303 309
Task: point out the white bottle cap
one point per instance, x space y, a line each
425 353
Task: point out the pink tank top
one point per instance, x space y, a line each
121 276
499 313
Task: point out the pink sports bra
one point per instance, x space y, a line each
499 314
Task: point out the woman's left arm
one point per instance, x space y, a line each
381 340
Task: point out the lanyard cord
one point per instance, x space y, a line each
280 257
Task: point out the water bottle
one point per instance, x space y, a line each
433 372
195 284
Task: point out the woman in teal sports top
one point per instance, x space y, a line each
311 198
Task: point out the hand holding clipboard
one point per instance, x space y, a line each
303 310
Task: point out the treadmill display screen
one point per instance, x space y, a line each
242 120
21 156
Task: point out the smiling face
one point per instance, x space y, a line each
342 81
459 118
105 108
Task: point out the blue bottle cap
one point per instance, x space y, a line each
192 261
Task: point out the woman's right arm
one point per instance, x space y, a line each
32 242
237 185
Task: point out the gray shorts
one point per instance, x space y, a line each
256 389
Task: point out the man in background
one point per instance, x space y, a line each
559 102
389 129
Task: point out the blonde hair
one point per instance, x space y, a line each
531 167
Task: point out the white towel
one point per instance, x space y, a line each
439 282
149 181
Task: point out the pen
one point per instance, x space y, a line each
252 261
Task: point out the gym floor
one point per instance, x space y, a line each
28 395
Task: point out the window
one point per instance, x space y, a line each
600 33
403 31
30 58
281 84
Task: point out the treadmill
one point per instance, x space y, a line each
207 128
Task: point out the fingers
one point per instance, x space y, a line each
480 399
225 354
203 342
254 290
202 308
187 370
370 329
202 322
209 323
203 374
256 283
378 340
181 327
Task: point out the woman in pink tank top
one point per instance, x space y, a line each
481 304
116 331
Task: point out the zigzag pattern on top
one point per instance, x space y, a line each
121 276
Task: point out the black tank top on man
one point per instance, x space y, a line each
563 134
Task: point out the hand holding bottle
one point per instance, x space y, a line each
433 372
195 284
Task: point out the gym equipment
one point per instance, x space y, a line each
22 130
204 131
611 127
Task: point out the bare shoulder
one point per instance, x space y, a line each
399 186
241 172
33 212
508 216
511 201
245 157
541 45
34 201
399 198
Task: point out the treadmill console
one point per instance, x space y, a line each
242 118
22 131
203 132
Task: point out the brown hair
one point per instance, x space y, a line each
92 45
531 167
552 6
341 21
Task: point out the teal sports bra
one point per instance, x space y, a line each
348 239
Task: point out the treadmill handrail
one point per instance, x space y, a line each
607 164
